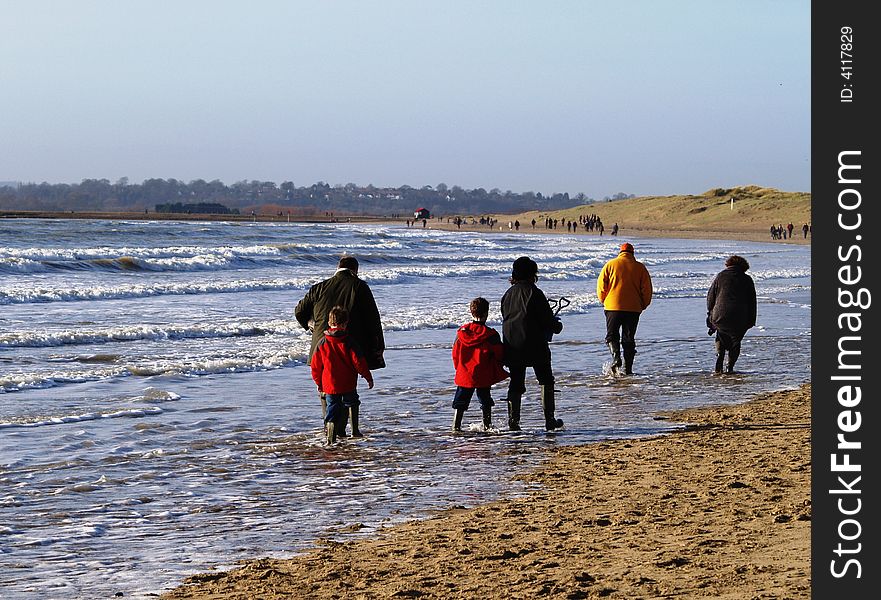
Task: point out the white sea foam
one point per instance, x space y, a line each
172 331
79 418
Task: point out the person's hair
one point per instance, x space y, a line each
348 262
524 269
737 261
337 317
479 308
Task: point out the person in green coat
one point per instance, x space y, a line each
344 289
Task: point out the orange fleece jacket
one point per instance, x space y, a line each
624 284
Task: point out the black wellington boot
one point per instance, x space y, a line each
615 349
487 417
457 419
720 357
342 423
514 413
629 355
353 410
548 405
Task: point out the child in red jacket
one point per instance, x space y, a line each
477 356
336 364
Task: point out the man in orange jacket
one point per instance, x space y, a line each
625 289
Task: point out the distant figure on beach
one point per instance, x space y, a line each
615 229
527 322
478 356
344 289
336 364
789 229
804 230
731 310
625 289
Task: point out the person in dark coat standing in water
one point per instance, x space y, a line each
527 325
731 310
346 290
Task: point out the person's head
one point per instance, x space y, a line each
348 262
338 317
479 308
738 262
627 247
524 269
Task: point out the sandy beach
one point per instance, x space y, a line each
752 234
720 509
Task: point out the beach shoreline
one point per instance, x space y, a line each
720 508
742 234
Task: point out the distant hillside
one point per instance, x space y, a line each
754 209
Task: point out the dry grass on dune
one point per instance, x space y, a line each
755 209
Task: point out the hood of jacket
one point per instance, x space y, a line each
336 335
474 333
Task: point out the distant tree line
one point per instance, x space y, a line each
247 196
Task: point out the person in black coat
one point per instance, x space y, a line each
344 289
731 309
527 325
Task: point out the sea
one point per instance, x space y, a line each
157 417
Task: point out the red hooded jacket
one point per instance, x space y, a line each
336 363
477 356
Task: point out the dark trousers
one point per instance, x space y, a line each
338 406
462 399
623 321
730 341
517 382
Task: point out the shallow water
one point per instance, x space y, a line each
156 418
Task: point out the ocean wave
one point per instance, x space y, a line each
28 295
259 359
68 337
79 418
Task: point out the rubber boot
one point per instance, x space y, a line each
629 355
514 413
487 417
733 355
548 405
615 349
342 422
330 431
720 357
340 429
353 411
457 419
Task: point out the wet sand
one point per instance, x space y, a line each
720 509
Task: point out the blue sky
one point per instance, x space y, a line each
640 97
